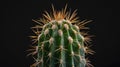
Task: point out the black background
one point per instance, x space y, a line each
17 20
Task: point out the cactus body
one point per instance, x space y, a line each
60 43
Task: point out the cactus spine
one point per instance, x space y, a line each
61 42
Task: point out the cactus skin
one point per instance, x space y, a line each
60 43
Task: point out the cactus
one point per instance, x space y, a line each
59 40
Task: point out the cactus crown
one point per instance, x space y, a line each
59 40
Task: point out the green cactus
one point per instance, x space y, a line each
59 40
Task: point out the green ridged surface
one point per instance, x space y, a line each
62 52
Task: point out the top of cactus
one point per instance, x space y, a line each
59 15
